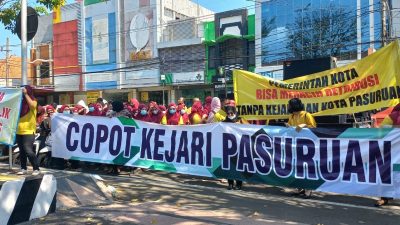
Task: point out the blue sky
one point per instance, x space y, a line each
214 5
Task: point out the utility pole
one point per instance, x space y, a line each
7 56
7 50
24 61
383 17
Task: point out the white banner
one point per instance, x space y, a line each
350 161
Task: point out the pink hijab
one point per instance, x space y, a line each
215 107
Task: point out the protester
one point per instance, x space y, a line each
172 117
207 105
163 109
189 110
118 110
215 114
26 131
65 109
94 110
196 113
393 121
184 115
143 115
79 110
133 107
41 114
300 119
181 100
154 113
232 117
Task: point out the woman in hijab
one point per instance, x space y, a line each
182 110
143 114
65 109
79 110
207 105
172 117
133 107
94 110
41 115
196 113
154 113
216 114
26 131
232 117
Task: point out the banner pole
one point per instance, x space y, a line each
10 157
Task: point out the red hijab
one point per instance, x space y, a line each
197 108
24 106
140 117
96 111
207 105
185 116
395 115
173 119
155 118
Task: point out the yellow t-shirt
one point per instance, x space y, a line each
27 123
387 122
302 118
218 117
164 120
197 119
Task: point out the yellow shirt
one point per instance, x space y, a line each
387 122
218 117
197 119
164 120
302 118
27 123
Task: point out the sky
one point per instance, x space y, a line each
214 5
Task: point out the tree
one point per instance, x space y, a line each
9 10
322 33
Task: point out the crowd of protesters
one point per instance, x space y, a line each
211 111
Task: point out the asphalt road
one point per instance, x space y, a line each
151 197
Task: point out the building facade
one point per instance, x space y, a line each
113 48
230 44
292 30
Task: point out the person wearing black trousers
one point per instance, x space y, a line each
26 131
232 117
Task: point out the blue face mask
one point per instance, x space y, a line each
91 109
172 111
67 112
143 112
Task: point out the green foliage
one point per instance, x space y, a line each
9 10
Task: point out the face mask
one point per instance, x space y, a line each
183 111
155 111
91 109
172 111
232 117
75 113
143 112
67 112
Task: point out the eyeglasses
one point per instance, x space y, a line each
231 113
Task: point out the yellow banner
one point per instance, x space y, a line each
367 84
